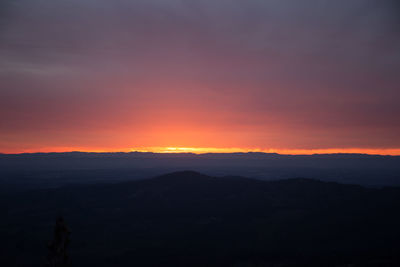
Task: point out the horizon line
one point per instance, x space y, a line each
205 150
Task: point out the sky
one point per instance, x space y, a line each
170 75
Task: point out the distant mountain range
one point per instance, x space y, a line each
191 219
40 170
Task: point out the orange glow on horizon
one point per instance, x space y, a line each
203 150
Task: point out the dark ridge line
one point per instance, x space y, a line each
192 154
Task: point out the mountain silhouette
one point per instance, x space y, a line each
23 172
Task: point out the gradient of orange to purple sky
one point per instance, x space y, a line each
293 77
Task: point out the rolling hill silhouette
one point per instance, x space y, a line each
46 170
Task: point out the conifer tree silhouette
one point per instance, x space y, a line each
57 249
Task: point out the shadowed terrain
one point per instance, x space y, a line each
21 172
191 219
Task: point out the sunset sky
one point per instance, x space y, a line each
283 76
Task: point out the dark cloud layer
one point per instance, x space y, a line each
292 74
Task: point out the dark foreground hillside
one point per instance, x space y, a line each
189 219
